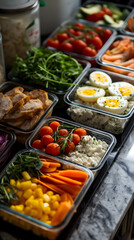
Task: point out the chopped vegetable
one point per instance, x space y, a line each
3 142
43 67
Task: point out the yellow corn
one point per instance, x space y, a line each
27 193
12 182
26 175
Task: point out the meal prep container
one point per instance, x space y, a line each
107 46
120 6
108 138
38 227
2 63
93 116
7 150
22 135
124 30
92 60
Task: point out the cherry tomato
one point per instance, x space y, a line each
46 139
46 130
80 131
54 125
43 149
75 138
70 147
107 11
53 149
93 34
66 46
97 42
62 37
78 33
106 35
79 25
52 43
60 140
87 51
71 30
95 16
63 132
79 45
37 144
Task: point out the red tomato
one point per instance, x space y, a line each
75 138
43 149
54 125
63 132
106 35
46 139
78 33
79 25
87 51
88 38
107 11
60 140
71 30
95 16
37 144
70 147
79 45
93 34
97 42
53 149
52 43
80 131
66 46
62 37
46 130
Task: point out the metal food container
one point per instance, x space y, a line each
38 227
23 134
5 152
122 8
111 66
64 25
93 116
108 138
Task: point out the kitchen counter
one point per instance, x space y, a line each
100 217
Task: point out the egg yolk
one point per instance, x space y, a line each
126 91
99 77
89 92
112 103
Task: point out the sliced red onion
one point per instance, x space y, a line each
2 147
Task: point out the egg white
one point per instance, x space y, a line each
114 104
100 79
122 89
90 94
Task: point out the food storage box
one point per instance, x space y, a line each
86 155
7 139
125 29
38 227
34 117
118 55
88 30
90 114
105 13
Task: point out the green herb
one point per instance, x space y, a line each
30 163
43 67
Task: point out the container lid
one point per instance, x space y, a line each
15 4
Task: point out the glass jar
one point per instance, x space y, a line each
2 65
20 27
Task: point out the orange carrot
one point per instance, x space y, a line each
71 190
50 186
51 164
66 197
66 179
74 174
51 179
61 213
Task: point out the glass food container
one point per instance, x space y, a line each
124 29
88 155
2 64
12 121
90 114
20 27
39 227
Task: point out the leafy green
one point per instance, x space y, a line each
30 163
53 70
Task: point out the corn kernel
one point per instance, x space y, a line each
19 194
26 175
58 197
53 198
48 222
29 200
12 182
55 205
52 213
27 210
33 186
34 213
46 208
8 190
35 203
44 218
25 185
27 193
46 198
49 193
19 208
38 193
18 184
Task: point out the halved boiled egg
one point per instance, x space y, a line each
121 89
90 94
100 79
114 104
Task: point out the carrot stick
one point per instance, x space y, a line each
52 179
61 212
66 197
50 186
51 164
48 170
66 179
74 174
